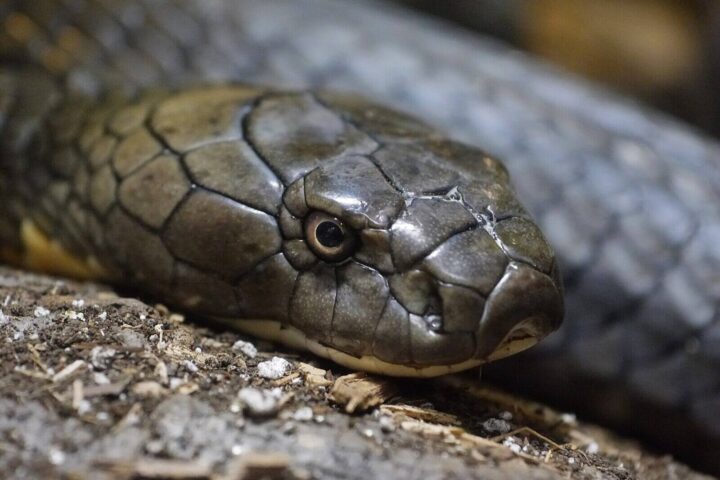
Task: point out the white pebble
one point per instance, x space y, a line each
100 356
246 348
56 456
84 407
568 418
387 424
512 444
303 414
260 402
175 383
496 425
190 366
73 315
41 312
273 369
506 415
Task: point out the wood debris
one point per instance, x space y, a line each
314 377
258 465
157 468
111 389
425 414
149 389
529 410
359 392
69 371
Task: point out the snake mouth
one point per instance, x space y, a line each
294 338
524 307
520 338
523 336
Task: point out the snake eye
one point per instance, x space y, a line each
328 237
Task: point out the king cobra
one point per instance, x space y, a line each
262 163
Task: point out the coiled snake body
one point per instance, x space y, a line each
328 222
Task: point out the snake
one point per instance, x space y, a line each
325 174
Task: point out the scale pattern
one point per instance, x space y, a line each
200 195
628 198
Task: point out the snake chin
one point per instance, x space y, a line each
519 339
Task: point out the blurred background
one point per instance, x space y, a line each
664 52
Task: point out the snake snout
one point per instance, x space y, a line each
524 307
451 323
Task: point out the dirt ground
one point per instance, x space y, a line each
95 384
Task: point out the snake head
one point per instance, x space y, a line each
416 258
329 223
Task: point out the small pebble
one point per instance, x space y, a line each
260 402
100 356
190 366
73 315
84 407
148 389
512 445
176 383
569 418
273 369
497 425
387 424
246 348
55 455
100 378
303 414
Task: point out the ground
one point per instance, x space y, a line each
98 384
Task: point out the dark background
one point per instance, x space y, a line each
664 52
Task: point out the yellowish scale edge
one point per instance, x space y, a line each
43 254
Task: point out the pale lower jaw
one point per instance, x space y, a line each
294 338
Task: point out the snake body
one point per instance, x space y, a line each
101 99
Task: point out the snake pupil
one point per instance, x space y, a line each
329 234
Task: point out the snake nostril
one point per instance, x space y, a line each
434 322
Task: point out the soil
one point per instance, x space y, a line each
98 384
